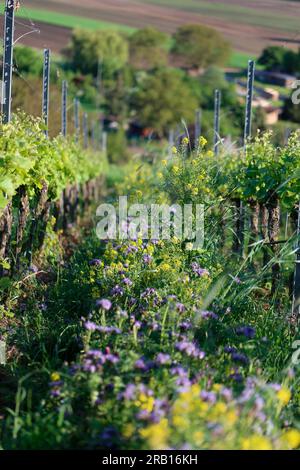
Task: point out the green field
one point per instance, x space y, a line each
68 21
236 13
237 60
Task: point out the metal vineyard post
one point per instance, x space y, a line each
9 26
217 121
64 108
85 131
76 119
171 141
296 287
197 127
104 142
248 117
46 83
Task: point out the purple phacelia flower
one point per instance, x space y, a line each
104 303
200 272
127 281
117 290
90 326
162 358
209 315
147 259
247 331
180 307
95 262
239 357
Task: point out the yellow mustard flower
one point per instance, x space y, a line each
202 141
185 141
55 377
174 150
128 431
157 435
256 442
284 395
175 170
292 438
164 162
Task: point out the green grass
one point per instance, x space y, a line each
69 21
239 60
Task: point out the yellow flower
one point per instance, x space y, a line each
195 191
189 186
292 438
164 162
185 141
165 267
180 422
128 430
157 435
174 150
284 395
55 377
160 175
256 442
202 141
231 417
145 403
210 153
175 170
198 437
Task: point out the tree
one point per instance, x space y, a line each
213 79
280 59
198 46
147 49
27 61
88 48
162 99
272 58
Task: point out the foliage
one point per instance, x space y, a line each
272 170
199 46
28 158
161 100
280 59
148 49
27 61
88 49
141 364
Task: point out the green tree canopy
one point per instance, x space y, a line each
148 49
198 46
27 61
280 59
162 99
87 48
272 58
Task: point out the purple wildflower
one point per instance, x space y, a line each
104 303
209 315
247 331
162 358
200 272
95 262
180 307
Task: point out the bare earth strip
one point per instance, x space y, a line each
244 37
43 35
